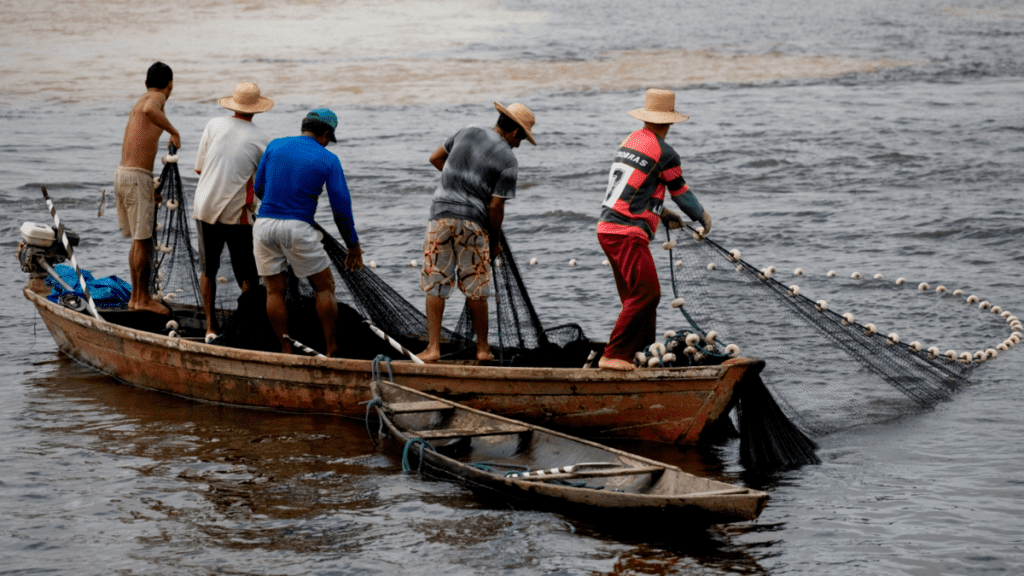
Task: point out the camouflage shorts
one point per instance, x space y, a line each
456 252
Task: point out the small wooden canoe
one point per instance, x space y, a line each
542 468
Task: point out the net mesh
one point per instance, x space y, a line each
827 373
522 339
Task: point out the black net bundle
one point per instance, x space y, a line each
827 370
520 337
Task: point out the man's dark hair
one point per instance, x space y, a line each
317 127
508 125
159 76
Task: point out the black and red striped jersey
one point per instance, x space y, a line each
643 169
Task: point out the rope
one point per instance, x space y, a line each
406 467
375 369
370 404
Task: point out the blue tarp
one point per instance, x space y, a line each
109 292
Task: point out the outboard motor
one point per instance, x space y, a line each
40 250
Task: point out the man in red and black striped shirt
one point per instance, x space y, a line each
644 169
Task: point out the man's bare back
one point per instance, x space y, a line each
146 123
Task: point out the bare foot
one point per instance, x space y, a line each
606 363
429 356
484 354
153 306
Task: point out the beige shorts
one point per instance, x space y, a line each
456 252
278 243
136 202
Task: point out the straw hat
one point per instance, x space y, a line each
247 99
521 115
659 108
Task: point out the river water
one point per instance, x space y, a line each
869 136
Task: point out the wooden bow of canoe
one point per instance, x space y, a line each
536 467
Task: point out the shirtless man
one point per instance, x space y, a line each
133 181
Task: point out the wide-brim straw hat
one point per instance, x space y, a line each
659 108
247 99
522 116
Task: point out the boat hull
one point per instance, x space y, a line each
671 405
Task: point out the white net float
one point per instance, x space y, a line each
922 287
798 272
794 290
933 352
855 275
893 338
657 349
711 336
690 351
951 355
222 280
972 299
940 289
572 262
652 362
669 245
734 255
996 310
169 159
879 276
679 263
870 329
678 302
210 338
915 346
669 334
171 325
172 204
984 304
848 319
821 305
711 266
533 261
692 339
413 264
732 350
668 358
830 274
958 292
373 264
607 263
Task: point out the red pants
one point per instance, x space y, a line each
636 279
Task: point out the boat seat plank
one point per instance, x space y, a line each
466 432
412 407
596 473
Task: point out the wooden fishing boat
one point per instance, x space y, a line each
670 405
538 467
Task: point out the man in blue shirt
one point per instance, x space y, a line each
290 178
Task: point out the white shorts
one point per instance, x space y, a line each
278 243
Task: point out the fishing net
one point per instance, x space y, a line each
828 370
522 340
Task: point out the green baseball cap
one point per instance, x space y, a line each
326 116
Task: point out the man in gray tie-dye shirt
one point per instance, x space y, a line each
478 173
